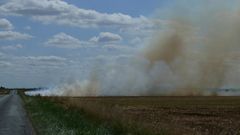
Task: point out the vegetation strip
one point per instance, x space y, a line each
51 118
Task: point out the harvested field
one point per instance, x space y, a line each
168 115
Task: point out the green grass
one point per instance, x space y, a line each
50 118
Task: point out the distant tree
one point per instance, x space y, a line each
2 88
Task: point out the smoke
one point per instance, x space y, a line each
194 56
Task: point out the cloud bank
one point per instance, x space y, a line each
62 13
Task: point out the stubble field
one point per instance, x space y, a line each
164 115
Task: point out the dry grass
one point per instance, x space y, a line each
165 115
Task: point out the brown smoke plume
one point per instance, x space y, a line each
219 35
167 50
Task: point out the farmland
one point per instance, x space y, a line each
163 115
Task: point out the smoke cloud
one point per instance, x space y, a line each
195 55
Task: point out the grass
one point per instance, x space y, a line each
51 118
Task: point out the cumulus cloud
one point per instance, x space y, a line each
36 70
105 37
62 13
4 60
11 35
63 40
39 61
5 24
44 60
112 47
11 47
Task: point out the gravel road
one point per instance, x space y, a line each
13 117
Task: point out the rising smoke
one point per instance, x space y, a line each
192 57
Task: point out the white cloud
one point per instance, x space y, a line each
11 35
37 70
44 60
39 62
62 40
105 37
11 47
4 60
5 24
112 47
62 13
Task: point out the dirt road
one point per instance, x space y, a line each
13 118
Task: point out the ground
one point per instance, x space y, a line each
173 115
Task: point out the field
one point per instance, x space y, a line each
163 115
4 91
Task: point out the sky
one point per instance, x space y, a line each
49 42
45 42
